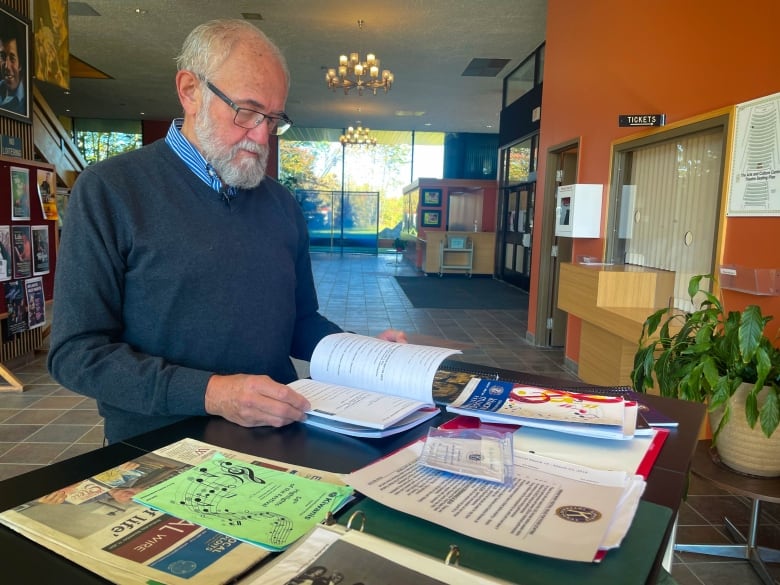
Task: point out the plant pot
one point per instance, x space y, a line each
744 449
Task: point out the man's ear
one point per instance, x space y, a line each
188 87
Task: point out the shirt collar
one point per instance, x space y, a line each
194 159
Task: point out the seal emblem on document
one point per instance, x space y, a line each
579 514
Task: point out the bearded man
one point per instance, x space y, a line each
183 283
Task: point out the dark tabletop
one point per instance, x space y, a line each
27 562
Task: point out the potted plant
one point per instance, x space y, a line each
722 359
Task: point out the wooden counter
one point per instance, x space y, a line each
484 251
613 303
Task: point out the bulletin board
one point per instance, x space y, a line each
29 232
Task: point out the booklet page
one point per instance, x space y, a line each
351 405
401 369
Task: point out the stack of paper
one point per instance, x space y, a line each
552 508
594 415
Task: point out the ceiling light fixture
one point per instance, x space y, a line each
353 73
357 137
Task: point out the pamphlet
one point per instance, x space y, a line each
262 506
368 387
595 415
96 524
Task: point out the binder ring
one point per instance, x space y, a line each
362 520
453 557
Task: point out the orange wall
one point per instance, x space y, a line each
679 58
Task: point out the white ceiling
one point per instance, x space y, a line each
426 43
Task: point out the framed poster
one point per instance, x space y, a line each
20 193
431 197
431 218
20 240
47 193
754 186
51 42
6 253
15 99
40 249
36 306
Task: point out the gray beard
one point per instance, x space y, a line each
244 174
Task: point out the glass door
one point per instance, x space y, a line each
517 234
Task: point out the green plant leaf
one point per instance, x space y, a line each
651 323
751 330
693 285
723 421
763 365
770 412
751 408
709 368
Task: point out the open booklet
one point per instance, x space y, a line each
609 417
98 525
367 387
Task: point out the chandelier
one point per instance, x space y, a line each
357 136
353 72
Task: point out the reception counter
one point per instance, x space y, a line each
613 303
483 255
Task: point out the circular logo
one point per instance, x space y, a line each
578 514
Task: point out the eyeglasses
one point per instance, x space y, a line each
247 118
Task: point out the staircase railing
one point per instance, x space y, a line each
53 142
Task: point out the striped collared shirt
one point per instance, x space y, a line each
194 159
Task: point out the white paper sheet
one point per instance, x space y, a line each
545 513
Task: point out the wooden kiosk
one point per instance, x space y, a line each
449 226
613 303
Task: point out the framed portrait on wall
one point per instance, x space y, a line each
431 197
15 100
431 218
52 51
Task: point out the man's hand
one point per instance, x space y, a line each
393 335
252 401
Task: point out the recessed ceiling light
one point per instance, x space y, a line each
141 11
414 114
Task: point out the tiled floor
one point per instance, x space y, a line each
47 423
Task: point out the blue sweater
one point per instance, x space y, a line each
161 283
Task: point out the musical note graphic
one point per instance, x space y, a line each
260 505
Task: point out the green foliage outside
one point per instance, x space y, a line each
317 166
97 146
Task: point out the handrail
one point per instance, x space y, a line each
53 142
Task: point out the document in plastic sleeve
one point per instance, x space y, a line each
552 508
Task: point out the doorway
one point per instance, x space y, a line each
518 222
341 221
561 169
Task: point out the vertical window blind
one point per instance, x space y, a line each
673 200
